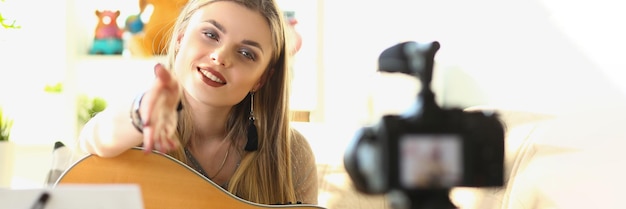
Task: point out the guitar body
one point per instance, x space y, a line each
165 182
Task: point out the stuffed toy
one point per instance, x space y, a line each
152 40
133 24
108 35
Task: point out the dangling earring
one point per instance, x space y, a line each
253 135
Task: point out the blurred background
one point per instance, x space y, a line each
540 55
552 57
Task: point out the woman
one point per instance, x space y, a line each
220 105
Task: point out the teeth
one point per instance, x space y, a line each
211 76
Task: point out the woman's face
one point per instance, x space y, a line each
223 53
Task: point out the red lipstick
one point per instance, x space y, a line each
212 77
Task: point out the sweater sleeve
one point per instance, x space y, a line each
304 169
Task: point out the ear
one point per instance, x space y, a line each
264 78
178 38
258 85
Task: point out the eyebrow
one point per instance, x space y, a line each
217 25
253 43
246 42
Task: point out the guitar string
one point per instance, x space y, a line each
199 168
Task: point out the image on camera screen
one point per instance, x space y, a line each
430 161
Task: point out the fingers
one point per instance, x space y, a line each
158 110
162 74
159 139
147 139
166 83
159 94
165 77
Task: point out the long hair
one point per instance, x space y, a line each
263 176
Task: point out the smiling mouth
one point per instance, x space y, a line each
210 76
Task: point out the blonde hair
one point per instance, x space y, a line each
264 176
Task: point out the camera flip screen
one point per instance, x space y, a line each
428 161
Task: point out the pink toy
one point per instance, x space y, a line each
107 25
108 35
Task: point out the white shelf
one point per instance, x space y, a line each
114 77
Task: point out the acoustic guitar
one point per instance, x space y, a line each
165 182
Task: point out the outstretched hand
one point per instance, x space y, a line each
158 111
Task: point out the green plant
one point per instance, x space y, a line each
4 22
5 126
56 88
87 106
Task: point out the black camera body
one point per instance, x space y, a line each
428 150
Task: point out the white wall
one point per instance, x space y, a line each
305 66
535 55
550 56
53 48
30 58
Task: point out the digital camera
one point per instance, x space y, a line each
428 150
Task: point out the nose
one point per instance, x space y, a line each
219 56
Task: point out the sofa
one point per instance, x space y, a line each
337 191
569 160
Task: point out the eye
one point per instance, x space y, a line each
249 55
211 35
